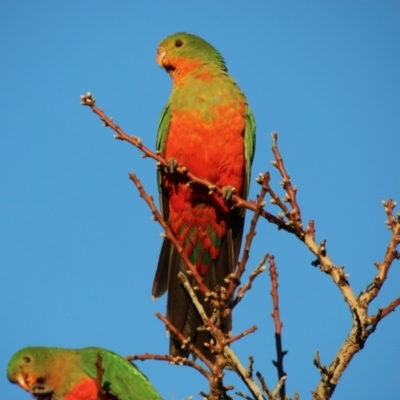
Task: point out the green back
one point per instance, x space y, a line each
121 378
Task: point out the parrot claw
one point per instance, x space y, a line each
228 192
171 166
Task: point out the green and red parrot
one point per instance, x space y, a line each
207 126
51 373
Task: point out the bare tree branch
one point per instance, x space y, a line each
182 361
288 219
241 370
262 180
391 254
280 354
242 290
88 100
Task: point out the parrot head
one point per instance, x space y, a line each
182 51
26 369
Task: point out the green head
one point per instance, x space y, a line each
184 50
26 366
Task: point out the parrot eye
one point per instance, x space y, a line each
178 43
26 359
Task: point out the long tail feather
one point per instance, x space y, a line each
180 310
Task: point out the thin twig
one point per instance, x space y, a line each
391 254
244 395
262 179
242 334
241 370
172 360
264 385
278 388
249 371
322 369
383 312
274 293
286 183
242 290
185 341
280 354
207 321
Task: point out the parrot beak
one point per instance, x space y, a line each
22 381
160 56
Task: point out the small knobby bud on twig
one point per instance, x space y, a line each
87 99
249 370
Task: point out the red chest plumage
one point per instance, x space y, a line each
84 390
212 150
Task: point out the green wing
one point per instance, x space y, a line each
249 147
120 378
161 278
163 127
162 134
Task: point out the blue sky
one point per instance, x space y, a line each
78 247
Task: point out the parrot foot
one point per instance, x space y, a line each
228 192
41 391
171 166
